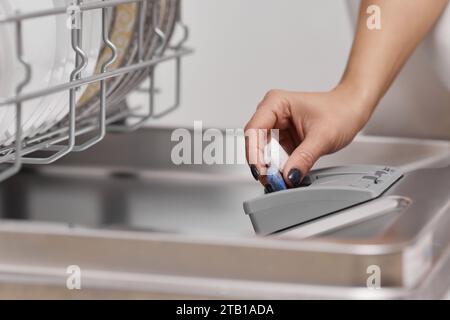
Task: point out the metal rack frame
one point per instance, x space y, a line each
61 139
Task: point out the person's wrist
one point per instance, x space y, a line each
361 100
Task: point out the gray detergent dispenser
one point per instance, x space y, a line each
325 191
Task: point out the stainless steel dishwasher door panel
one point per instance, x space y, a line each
129 181
139 225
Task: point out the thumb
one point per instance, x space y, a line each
302 160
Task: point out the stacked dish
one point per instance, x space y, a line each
47 48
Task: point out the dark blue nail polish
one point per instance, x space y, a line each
255 172
268 189
295 177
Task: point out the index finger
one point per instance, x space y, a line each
257 135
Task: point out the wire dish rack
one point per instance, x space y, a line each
63 138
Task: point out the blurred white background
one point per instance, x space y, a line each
246 47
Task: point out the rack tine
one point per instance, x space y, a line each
178 67
149 114
177 92
102 112
16 155
79 40
151 91
142 11
142 118
158 52
161 35
82 58
185 29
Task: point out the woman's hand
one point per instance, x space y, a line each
310 125
315 124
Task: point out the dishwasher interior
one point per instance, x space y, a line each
141 188
139 226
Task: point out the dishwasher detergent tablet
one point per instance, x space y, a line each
275 157
275 179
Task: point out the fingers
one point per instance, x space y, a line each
257 131
262 119
303 159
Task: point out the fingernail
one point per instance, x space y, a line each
268 189
255 172
295 177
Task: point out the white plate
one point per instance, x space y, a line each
52 60
92 43
41 59
6 67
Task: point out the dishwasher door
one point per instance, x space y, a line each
139 226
